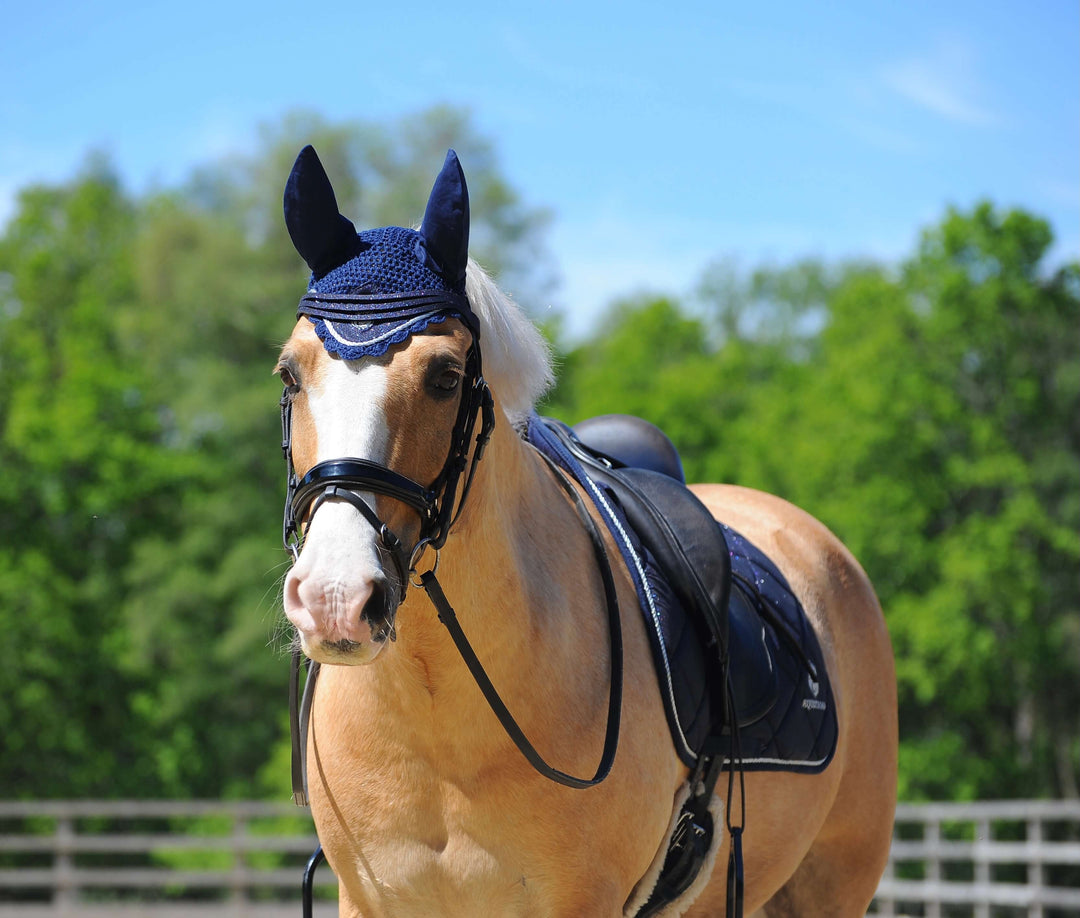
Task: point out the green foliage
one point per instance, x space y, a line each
84 479
929 414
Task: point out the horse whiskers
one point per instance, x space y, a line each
383 631
294 645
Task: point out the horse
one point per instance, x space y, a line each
408 457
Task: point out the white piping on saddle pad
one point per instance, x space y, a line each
619 533
645 885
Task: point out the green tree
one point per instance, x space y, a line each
85 478
936 431
1007 537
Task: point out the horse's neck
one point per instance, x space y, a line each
504 563
519 571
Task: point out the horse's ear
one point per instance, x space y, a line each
446 223
322 236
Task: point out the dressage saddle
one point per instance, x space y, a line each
640 465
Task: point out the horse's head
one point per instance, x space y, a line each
384 404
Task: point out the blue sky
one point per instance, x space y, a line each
661 136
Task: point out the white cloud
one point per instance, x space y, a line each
943 82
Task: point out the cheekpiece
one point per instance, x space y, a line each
371 290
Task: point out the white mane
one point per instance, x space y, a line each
517 359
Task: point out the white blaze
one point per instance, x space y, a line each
348 411
327 588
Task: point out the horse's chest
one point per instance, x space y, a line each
409 844
405 877
414 830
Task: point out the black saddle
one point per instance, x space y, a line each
641 466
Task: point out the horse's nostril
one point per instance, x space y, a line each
292 590
379 612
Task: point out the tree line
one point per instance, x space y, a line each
927 411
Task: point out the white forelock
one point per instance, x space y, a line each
517 358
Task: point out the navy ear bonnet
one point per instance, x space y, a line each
376 288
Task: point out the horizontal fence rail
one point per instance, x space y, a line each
156 858
222 858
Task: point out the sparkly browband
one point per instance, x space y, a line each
386 307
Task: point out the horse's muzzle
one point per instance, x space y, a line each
338 621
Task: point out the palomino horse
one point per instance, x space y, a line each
422 802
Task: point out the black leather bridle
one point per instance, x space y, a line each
343 478
438 506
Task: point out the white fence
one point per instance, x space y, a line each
1003 858
232 859
105 859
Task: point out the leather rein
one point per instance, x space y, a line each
439 507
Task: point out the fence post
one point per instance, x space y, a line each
238 885
1035 866
66 895
931 837
983 832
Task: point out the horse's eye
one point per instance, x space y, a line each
445 381
287 379
448 381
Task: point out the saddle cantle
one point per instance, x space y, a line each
626 441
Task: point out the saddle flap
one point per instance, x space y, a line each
684 538
690 548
